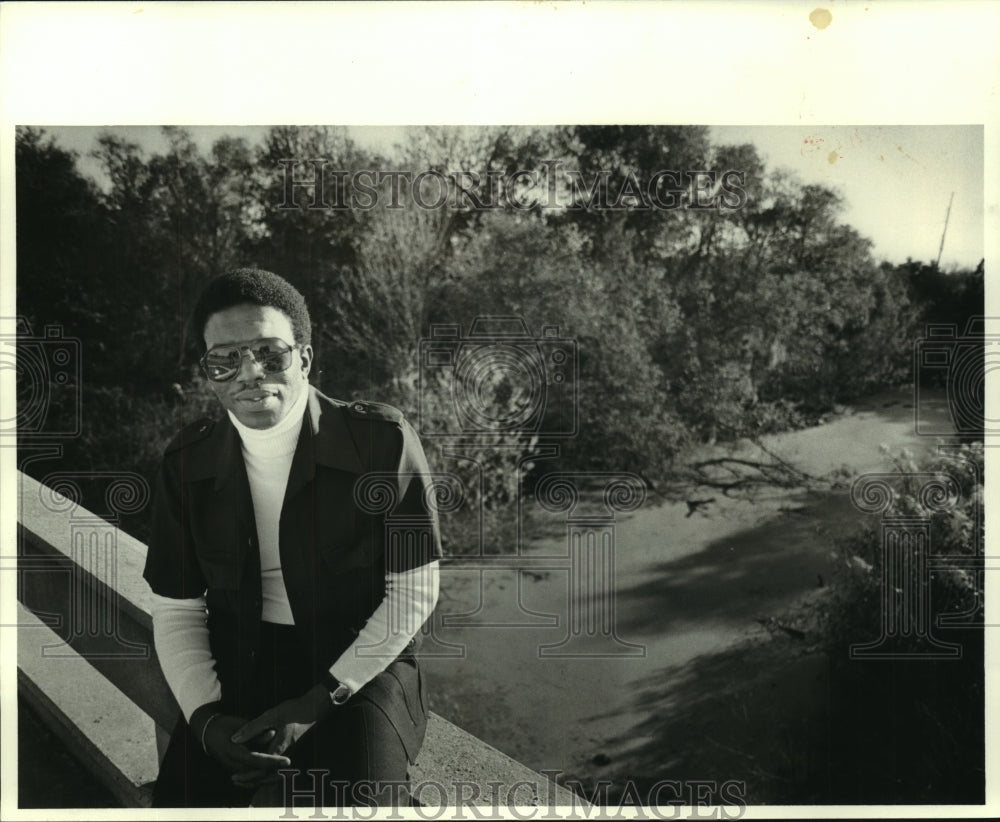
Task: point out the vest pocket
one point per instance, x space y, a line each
344 557
349 585
221 569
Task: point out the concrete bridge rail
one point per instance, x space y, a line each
87 666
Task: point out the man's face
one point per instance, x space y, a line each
256 398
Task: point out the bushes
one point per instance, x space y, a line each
856 610
906 730
121 431
487 466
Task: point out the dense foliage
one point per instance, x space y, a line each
910 727
686 325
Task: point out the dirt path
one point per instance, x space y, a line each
689 595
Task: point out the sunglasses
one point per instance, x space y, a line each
222 363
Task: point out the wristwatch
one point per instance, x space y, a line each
339 692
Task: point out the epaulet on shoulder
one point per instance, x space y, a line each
191 433
375 411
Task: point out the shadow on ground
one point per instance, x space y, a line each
744 576
780 722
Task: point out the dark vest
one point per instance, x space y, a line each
333 552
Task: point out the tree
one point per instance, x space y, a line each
58 282
177 219
303 186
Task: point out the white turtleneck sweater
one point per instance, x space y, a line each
180 630
267 454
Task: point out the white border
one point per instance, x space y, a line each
878 62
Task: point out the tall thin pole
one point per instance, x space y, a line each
946 216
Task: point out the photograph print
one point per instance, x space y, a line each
580 467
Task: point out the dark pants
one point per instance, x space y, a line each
356 756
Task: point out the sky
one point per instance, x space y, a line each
896 181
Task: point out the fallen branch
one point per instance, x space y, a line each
731 475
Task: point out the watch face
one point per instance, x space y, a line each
341 695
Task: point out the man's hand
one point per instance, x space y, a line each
282 725
249 764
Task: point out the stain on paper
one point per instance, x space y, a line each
820 18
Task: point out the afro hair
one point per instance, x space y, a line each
257 287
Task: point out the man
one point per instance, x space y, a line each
284 623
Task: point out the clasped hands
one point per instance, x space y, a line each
254 751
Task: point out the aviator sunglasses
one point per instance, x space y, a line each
222 363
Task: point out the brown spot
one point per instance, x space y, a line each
832 157
820 18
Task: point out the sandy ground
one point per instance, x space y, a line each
688 595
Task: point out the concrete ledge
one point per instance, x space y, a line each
465 767
55 522
111 736
98 684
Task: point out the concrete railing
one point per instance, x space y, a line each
87 666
